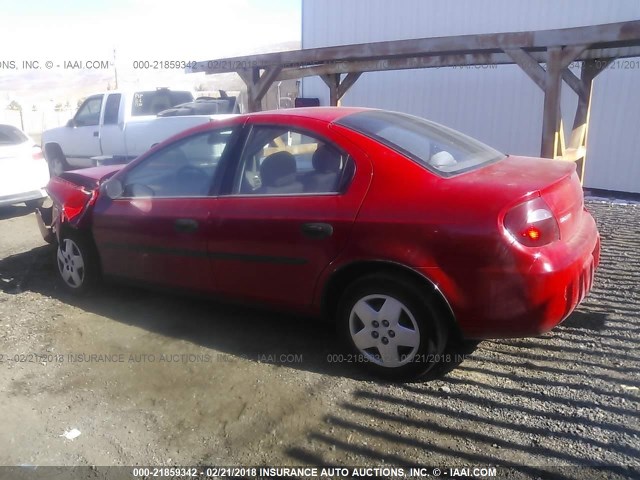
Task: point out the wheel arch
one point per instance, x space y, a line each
347 274
67 229
53 150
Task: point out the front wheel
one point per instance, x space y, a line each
392 326
77 263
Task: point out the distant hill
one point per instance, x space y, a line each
46 88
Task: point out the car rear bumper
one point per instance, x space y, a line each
533 298
22 197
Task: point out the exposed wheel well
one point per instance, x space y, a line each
53 150
348 274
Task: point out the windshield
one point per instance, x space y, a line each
441 149
155 101
11 135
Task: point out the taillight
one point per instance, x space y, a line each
532 223
75 203
36 153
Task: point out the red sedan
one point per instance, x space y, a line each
411 236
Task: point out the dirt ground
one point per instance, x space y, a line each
153 379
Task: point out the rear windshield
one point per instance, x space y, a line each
155 101
11 135
440 149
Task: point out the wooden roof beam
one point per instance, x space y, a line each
484 60
607 35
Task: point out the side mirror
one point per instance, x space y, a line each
113 188
71 123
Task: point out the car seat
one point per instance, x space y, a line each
327 163
278 174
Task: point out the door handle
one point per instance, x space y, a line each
96 134
185 225
317 230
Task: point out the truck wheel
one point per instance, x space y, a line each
77 261
391 326
56 160
56 167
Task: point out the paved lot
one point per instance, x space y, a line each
195 382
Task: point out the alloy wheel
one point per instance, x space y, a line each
384 330
70 263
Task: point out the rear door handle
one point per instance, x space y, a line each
317 230
185 225
96 134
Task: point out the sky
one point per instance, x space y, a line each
186 30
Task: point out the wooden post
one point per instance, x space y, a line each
551 117
258 85
250 76
333 82
577 150
338 87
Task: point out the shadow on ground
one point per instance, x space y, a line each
260 335
14 211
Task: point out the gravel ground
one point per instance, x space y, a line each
193 382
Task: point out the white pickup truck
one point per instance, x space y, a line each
116 125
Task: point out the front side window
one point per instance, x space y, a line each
89 112
442 150
281 161
186 168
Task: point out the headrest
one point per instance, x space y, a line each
442 159
278 169
326 160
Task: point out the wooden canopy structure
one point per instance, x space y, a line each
545 56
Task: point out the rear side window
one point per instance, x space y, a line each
10 135
155 101
278 160
111 109
442 150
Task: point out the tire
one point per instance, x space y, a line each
77 262
56 167
33 204
392 326
56 160
454 354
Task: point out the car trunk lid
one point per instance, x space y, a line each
72 192
515 179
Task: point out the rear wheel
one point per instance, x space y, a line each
392 326
77 262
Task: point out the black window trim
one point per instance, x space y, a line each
103 114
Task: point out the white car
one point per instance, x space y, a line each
23 169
